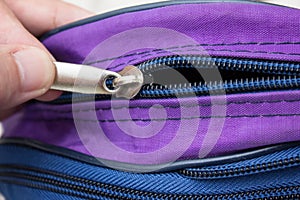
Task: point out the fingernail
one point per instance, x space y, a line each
36 69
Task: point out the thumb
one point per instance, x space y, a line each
26 73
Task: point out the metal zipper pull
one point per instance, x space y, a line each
91 80
130 82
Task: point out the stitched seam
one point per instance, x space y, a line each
165 107
198 45
168 119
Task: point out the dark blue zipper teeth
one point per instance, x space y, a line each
88 189
213 173
248 75
264 75
263 66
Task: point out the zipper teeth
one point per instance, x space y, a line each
217 86
287 75
127 191
289 70
250 65
220 173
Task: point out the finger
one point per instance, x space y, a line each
50 95
13 32
6 113
26 73
40 16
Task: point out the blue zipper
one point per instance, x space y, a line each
236 85
263 164
252 75
93 190
271 75
242 64
68 177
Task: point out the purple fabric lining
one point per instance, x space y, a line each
122 134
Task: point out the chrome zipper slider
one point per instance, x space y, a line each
130 82
91 80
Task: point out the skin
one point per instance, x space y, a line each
29 75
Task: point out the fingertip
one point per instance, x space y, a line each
26 73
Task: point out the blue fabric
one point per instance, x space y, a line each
15 192
165 183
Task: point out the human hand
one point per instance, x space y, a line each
26 67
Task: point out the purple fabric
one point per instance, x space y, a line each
173 128
250 121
